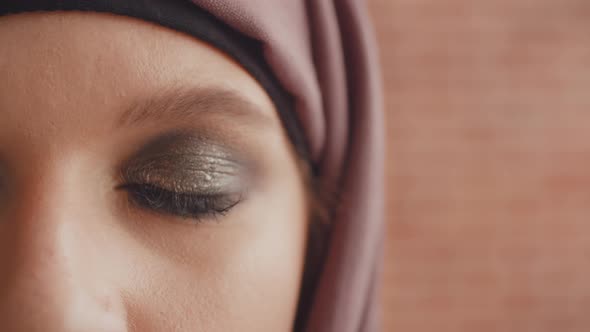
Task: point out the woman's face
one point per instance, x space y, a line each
146 183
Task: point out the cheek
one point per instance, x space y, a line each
241 274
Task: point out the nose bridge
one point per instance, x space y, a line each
42 224
38 244
48 280
46 210
38 225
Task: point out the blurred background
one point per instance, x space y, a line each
488 117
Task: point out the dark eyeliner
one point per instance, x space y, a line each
185 205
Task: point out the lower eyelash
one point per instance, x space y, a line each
185 205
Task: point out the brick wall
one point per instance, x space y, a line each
488 106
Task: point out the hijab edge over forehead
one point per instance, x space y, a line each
185 17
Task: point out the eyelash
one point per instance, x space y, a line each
185 205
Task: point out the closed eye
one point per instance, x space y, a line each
185 205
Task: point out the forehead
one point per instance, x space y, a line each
82 67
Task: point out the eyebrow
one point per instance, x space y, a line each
188 104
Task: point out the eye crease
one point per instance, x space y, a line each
187 176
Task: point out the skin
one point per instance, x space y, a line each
85 100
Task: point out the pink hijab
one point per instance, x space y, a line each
323 52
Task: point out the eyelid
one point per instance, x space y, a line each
196 176
184 163
183 175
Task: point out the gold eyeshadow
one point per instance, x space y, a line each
184 163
